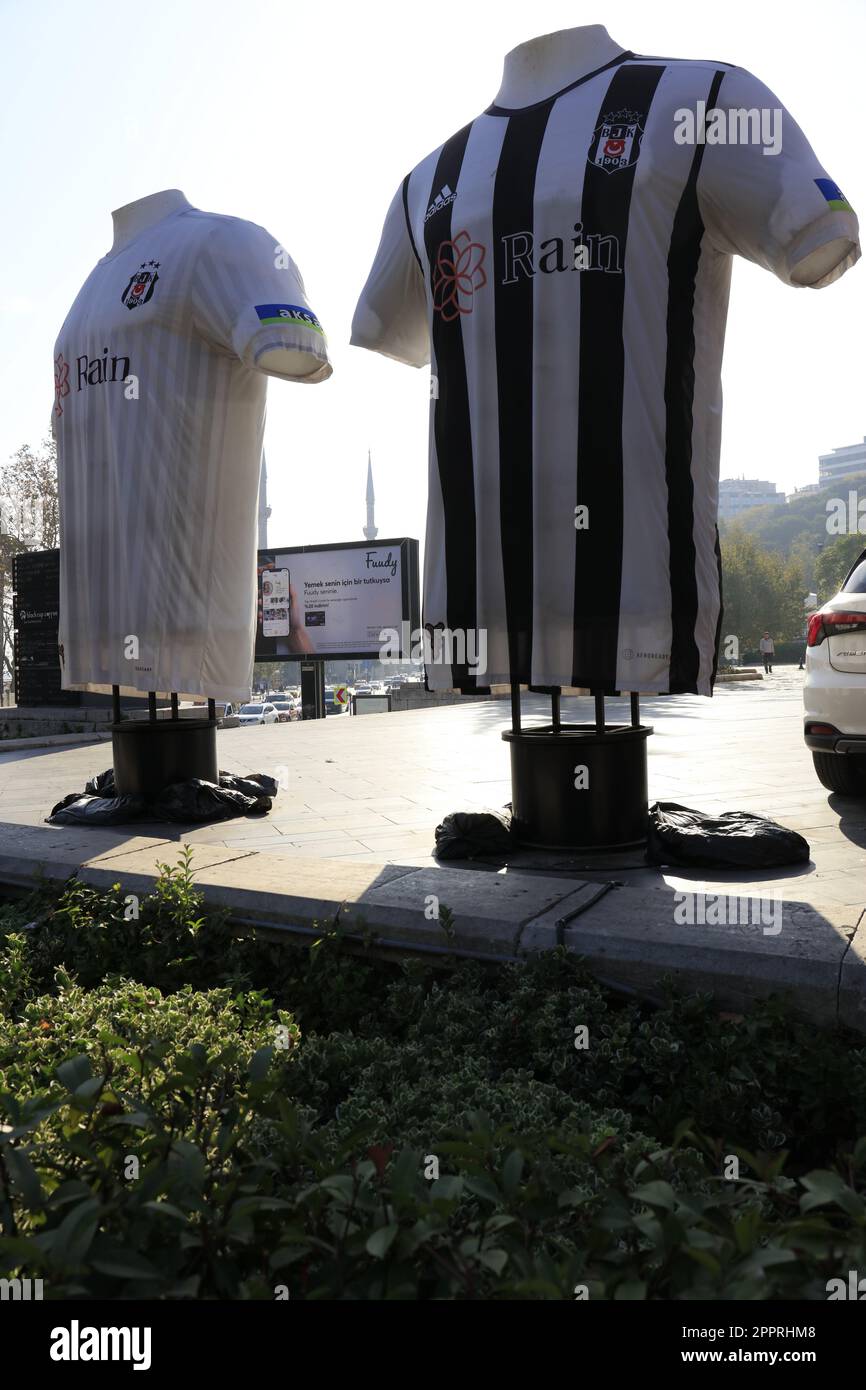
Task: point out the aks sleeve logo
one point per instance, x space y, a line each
834 195
294 314
142 284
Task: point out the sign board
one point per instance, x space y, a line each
336 600
35 618
341 695
371 704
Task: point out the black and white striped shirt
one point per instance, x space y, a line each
565 269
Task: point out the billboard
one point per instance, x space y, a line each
335 600
35 616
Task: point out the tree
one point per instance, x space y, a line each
269 671
805 550
834 562
29 520
761 590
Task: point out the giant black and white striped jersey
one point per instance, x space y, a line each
160 383
565 269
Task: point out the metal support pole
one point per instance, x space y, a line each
635 709
555 709
211 709
599 712
151 706
115 703
515 707
174 713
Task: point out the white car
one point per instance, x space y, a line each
258 714
288 709
835 690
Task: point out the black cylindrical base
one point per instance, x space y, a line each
151 755
577 789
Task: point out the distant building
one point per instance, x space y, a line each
842 462
739 494
803 491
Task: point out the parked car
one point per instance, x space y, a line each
287 709
834 693
263 713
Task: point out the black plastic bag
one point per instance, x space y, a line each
76 809
102 784
737 839
256 784
197 800
193 800
474 834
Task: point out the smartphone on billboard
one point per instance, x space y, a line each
276 603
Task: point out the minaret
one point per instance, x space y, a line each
371 531
264 509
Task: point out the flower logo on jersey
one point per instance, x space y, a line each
61 382
142 284
616 141
458 274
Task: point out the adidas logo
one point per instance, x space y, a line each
442 200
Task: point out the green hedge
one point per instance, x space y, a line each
185 1115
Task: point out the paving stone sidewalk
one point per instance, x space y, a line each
372 790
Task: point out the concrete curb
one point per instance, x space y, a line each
627 936
9 745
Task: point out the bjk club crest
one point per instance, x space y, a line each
141 285
616 141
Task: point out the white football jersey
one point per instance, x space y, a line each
159 418
565 269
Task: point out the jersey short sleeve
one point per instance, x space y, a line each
763 193
249 300
391 315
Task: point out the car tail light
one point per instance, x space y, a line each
823 625
821 729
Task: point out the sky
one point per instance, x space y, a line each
305 119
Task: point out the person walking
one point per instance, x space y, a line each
768 651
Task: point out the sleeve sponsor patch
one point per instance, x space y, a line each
834 195
294 314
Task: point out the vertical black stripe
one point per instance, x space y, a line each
683 257
513 214
408 220
721 611
604 210
451 423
